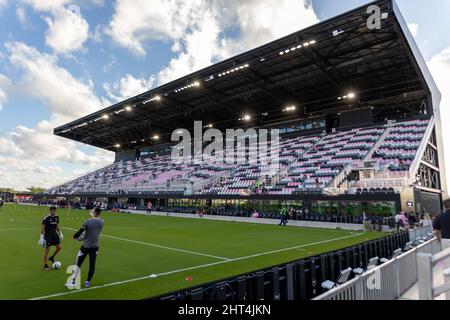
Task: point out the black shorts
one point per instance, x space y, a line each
87 251
52 239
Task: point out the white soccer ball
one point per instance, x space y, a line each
57 265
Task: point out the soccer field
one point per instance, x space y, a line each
133 247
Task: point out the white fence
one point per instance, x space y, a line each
390 280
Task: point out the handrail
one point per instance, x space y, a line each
388 281
425 262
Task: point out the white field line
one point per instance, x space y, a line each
159 246
193 268
19 229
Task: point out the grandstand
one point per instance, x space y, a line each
357 110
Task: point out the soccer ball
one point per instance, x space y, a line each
57 265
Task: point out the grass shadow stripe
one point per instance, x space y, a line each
160 246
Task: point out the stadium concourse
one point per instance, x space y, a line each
355 107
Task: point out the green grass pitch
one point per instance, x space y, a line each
133 247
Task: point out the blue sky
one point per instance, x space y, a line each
62 59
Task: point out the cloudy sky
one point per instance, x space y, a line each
63 59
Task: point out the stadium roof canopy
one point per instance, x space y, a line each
317 70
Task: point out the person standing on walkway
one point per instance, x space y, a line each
283 216
442 223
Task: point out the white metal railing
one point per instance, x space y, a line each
388 281
417 233
428 289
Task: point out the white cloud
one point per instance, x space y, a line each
40 143
50 5
67 98
21 15
96 36
128 87
5 86
107 67
2 4
414 28
67 31
47 5
440 68
195 28
3 98
135 21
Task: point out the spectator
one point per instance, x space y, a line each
412 221
401 221
293 214
442 223
283 216
426 221
149 207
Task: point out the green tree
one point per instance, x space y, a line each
36 190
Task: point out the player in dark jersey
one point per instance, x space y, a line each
51 236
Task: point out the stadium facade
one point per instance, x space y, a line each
356 106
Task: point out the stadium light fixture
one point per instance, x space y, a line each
155 137
299 46
194 84
105 117
351 95
155 98
128 108
230 71
290 108
246 118
117 146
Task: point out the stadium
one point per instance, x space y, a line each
357 116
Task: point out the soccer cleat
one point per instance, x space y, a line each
46 267
87 284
